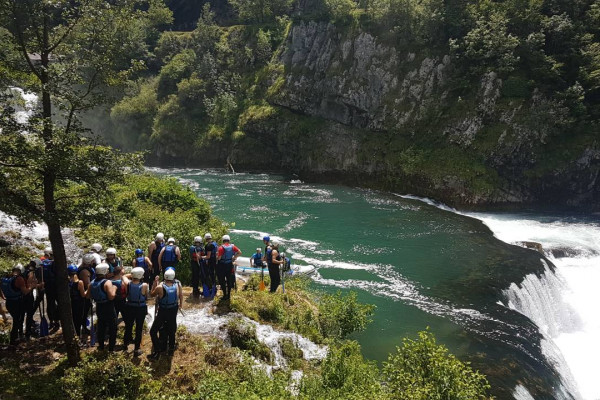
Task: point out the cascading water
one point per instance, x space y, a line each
563 303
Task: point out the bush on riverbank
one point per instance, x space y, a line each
147 204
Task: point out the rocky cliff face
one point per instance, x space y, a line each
395 119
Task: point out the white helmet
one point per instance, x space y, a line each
111 250
97 247
226 238
37 261
20 267
198 239
207 236
88 258
171 240
137 273
274 244
102 269
160 237
258 249
170 275
48 251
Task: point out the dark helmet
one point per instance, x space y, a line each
72 268
267 238
139 252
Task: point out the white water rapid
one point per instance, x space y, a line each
563 304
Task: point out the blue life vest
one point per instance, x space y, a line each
169 255
257 257
98 293
156 253
112 266
269 255
48 266
135 297
195 253
141 262
74 291
119 284
10 290
169 299
227 253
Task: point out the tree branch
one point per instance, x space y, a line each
21 42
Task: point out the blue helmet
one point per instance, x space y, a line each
168 268
72 268
267 238
139 252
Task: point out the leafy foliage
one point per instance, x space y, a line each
340 316
422 369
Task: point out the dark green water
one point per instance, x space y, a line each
420 265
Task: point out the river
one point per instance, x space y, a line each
521 318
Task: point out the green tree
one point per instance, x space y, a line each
70 53
261 10
424 370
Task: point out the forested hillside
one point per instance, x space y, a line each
470 102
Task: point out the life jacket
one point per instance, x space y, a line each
196 252
227 253
120 289
134 296
98 293
10 290
74 291
269 255
156 253
113 265
213 252
169 299
257 259
141 262
169 255
48 267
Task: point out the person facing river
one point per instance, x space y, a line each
170 299
137 294
226 256
154 249
196 265
143 262
210 265
103 292
169 256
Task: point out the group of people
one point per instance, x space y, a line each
102 281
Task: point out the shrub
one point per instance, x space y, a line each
114 377
423 370
340 315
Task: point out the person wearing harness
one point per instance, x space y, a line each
169 256
112 260
226 256
103 292
120 282
210 265
154 250
170 298
77 294
137 293
275 262
47 274
143 262
267 253
196 265
14 287
256 260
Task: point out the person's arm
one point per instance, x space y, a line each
155 288
22 285
160 256
134 263
178 253
219 253
85 277
274 259
208 253
151 248
236 254
145 289
148 263
110 289
81 288
125 279
180 295
88 292
252 261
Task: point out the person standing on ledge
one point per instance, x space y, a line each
14 288
276 262
210 266
169 256
170 299
143 262
196 261
154 250
226 256
103 292
137 293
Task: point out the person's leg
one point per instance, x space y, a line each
112 327
101 313
52 308
221 276
77 313
156 325
274 275
29 302
130 314
172 328
140 316
15 309
195 277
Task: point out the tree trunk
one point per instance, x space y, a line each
51 218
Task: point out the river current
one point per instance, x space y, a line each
525 319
